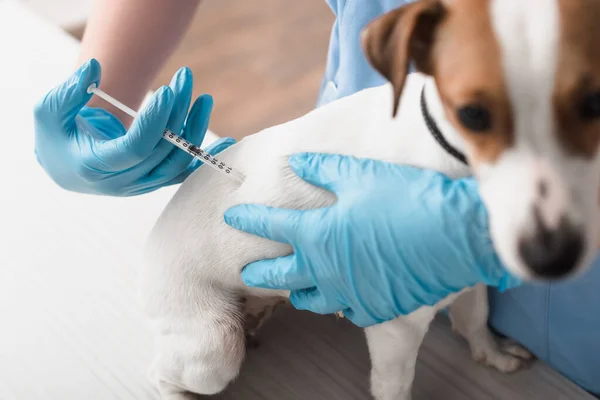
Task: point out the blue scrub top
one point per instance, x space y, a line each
560 323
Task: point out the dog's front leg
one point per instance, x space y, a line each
394 346
469 316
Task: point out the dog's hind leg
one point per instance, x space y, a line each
469 316
200 344
394 346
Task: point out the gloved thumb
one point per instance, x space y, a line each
63 103
329 171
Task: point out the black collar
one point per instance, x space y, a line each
437 133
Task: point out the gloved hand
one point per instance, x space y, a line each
89 150
398 238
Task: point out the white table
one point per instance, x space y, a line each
70 327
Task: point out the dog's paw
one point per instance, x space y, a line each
511 347
504 355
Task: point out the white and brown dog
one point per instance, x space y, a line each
508 90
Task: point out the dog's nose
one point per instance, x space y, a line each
552 252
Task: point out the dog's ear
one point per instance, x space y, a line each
406 34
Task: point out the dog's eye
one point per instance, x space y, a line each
590 106
475 118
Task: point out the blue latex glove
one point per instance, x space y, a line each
89 150
398 238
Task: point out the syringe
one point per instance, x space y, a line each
177 140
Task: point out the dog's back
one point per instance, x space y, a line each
361 125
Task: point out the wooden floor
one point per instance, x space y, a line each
261 60
303 356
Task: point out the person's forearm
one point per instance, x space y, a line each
132 39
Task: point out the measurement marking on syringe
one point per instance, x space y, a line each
196 151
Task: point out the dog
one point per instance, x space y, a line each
505 90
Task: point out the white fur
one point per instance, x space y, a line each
529 48
192 284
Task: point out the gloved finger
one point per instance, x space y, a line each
329 171
313 300
336 172
142 138
276 224
279 273
214 149
61 105
199 118
181 84
195 128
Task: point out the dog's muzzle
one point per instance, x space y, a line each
552 253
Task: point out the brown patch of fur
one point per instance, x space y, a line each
454 42
468 69
394 39
578 73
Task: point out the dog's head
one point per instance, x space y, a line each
520 82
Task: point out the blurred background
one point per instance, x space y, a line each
261 60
